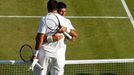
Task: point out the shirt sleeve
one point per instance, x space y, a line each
69 25
42 26
65 22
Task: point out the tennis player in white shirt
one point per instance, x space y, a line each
62 11
51 45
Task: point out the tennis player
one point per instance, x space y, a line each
62 11
51 46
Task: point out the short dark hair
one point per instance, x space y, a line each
61 5
52 5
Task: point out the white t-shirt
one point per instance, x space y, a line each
69 25
57 47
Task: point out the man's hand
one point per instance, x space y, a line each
57 37
62 29
33 57
35 61
74 34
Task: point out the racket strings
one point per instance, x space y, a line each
51 24
26 53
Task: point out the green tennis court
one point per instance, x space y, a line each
105 29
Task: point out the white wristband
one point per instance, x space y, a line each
36 53
49 38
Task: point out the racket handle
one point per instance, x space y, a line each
35 62
39 66
66 34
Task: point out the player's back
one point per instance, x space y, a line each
53 47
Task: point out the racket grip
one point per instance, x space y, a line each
35 62
66 34
39 66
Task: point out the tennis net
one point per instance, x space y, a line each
75 67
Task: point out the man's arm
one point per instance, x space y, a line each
40 39
71 30
74 34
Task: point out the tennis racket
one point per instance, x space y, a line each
54 27
26 53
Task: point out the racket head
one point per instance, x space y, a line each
26 52
52 23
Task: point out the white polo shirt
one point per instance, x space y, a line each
57 47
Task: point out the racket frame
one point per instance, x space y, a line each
58 26
22 49
28 61
65 33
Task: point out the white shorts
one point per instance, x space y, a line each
52 65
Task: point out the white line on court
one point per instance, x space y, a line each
77 17
20 16
128 12
96 17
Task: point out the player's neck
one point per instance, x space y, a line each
53 11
